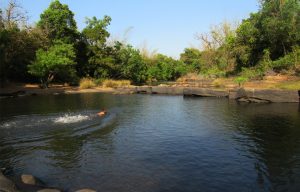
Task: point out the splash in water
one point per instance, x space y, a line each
71 118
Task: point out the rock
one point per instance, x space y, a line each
204 92
265 95
144 89
6 185
125 90
85 190
28 179
49 190
167 90
252 100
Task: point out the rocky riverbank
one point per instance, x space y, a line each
239 94
29 183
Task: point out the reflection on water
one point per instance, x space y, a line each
152 143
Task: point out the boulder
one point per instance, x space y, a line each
28 179
6 185
204 92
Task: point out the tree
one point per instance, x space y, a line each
192 58
165 68
95 35
132 64
58 23
18 44
14 16
96 32
275 28
59 58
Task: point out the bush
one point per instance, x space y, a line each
98 82
240 80
214 72
116 83
288 61
86 83
252 73
219 83
189 76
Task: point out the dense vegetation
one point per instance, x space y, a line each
54 49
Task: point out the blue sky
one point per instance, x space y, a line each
166 25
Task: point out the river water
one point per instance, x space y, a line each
151 143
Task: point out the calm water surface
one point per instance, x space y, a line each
151 143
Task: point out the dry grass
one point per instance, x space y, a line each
86 83
188 77
292 85
115 83
219 83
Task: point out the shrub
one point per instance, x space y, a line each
189 76
214 72
115 83
288 61
98 82
252 73
218 83
86 83
240 80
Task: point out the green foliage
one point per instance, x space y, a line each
99 61
240 80
267 40
165 68
132 64
58 59
214 72
276 28
96 32
192 58
291 60
58 23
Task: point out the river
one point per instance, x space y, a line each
151 143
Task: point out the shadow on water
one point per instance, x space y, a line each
271 135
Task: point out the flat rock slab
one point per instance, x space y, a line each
268 95
167 90
204 92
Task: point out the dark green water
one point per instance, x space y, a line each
151 143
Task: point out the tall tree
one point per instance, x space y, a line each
59 58
95 35
58 23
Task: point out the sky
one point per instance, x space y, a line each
167 26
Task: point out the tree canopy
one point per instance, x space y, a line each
267 40
58 22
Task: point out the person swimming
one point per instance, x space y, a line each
102 113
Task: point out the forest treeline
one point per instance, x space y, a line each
55 50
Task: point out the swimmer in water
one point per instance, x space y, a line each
102 113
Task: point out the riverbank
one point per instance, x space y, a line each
29 183
241 94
